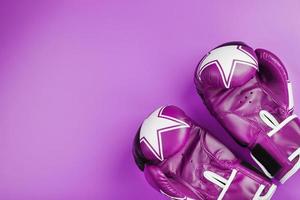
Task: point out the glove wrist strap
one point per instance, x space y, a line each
277 152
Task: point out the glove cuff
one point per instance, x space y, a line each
277 152
257 187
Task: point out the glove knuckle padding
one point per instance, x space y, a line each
254 102
198 167
164 133
217 68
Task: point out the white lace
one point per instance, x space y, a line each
295 168
225 184
262 167
220 181
267 196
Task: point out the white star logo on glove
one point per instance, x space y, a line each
154 126
226 58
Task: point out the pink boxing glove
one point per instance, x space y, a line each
184 162
251 96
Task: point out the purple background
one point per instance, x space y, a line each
77 78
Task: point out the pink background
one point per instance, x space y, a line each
77 78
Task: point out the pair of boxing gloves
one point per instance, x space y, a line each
249 93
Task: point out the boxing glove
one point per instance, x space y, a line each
249 93
184 162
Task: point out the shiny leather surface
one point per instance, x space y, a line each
182 174
237 108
